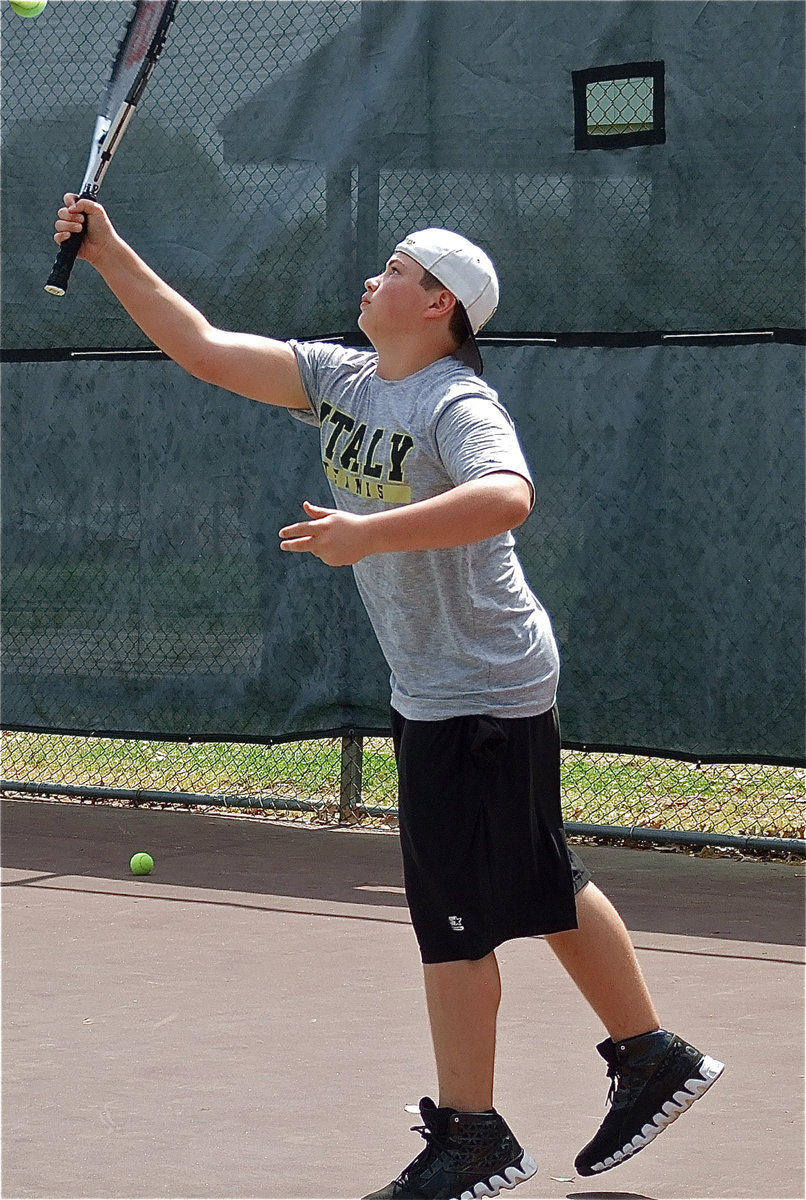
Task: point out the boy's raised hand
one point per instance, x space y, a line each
72 217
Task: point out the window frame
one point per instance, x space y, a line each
584 140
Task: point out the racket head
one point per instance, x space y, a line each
138 52
136 58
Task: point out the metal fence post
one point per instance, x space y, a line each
352 769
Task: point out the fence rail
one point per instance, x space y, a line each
750 807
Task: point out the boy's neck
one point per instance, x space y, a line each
398 362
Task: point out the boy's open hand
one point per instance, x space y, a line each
338 538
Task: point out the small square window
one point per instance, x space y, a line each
619 106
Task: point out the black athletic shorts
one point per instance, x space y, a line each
481 831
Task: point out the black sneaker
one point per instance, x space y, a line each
467 1155
654 1078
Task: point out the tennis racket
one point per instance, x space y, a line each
141 47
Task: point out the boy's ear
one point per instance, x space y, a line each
441 303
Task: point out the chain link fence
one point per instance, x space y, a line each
353 779
279 152
282 149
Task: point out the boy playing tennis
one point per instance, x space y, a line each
428 481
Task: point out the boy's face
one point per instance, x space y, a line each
394 301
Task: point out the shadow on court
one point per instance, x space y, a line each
248 1020
348 866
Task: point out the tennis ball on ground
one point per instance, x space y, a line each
28 8
142 863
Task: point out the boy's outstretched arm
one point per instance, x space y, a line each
470 512
257 367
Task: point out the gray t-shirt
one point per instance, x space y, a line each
460 628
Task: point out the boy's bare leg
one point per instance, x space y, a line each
463 999
657 1076
600 958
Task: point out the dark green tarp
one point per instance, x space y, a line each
280 151
145 590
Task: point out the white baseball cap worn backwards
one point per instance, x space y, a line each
466 271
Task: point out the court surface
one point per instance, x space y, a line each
248 1021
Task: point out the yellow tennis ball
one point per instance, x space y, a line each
28 8
141 863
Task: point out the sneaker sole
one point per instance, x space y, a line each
709 1071
505 1181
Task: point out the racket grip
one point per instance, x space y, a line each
60 273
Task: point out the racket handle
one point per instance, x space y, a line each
60 273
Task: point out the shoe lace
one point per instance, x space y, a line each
429 1137
432 1144
623 1084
